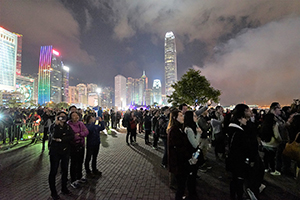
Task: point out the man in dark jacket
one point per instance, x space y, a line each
147 122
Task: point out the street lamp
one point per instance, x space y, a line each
98 92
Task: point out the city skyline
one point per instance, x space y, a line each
249 43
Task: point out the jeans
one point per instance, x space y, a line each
91 152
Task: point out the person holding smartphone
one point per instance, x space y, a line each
93 144
61 136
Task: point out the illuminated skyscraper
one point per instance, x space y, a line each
8 59
65 84
120 92
50 76
143 86
170 62
19 54
130 91
157 92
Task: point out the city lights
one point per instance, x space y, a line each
55 52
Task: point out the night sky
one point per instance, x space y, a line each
247 49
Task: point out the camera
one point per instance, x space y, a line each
62 118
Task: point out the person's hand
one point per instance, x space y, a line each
100 119
199 130
56 120
57 139
209 103
78 134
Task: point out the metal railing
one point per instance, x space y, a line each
13 134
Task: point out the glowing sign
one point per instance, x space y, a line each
55 52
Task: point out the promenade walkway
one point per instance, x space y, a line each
129 172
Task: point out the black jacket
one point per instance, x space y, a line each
66 134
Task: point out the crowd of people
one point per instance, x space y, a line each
249 141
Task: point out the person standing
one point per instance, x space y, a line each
193 133
93 144
178 152
218 136
240 156
270 139
155 129
133 125
48 119
148 124
163 122
61 136
77 149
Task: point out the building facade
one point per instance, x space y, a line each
120 92
8 59
170 62
157 98
25 86
82 93
51 78
73 95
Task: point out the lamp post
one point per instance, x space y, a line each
98 92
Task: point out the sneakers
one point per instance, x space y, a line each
75 185
251 194
82 180
276 173
261 188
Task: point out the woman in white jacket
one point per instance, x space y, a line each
270 139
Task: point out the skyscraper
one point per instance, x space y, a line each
50 76
19 54
170 62
120 91
65 84
157 92
143 86
8 59
130 91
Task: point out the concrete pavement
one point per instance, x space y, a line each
128 172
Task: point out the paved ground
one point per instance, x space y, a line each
129 172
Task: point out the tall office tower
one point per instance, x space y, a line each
130 91
73 95
120 92
107 97
143 86
65 86
157 92
50 76
82 93
170 62
148 97
136 91
19 54
92 88
8 59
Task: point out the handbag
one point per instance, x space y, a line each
292 150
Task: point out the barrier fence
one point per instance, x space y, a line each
19 132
